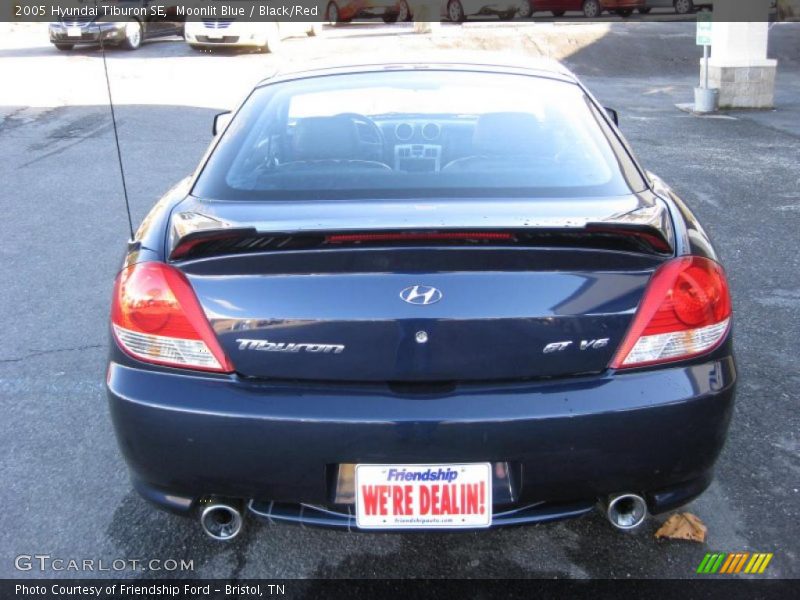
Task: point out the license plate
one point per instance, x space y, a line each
214 35
74 32
424 496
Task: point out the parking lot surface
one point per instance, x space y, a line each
65 489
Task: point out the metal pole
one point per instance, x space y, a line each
705 62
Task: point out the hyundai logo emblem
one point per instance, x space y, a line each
421 295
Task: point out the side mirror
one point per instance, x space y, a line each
221 121
613 115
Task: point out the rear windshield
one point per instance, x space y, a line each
417 134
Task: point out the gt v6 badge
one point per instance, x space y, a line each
585 345
267 346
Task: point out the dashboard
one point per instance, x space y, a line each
424 145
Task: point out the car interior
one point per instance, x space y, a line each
305 142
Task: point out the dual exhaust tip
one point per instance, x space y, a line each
223 520
626 511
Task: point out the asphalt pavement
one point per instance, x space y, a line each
63 485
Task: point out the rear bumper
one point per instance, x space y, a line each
570 441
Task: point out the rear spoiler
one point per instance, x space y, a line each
630 237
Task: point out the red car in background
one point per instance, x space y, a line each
344 11
590 8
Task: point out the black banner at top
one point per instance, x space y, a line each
388 10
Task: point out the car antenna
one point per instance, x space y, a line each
116 134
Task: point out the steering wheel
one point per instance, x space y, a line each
373 144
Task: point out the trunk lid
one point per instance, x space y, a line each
544 303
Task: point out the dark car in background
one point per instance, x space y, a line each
420 296
126 32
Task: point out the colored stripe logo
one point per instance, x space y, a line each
736 562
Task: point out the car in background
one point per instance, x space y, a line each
682 7
590 8
263 36
457 11
125 33
344 11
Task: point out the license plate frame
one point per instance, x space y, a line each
74 32
430 496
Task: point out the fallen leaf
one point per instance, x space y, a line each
683 526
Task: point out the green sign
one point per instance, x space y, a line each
704 24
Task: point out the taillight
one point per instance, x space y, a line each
686 311
156 318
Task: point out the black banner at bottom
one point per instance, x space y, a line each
384 589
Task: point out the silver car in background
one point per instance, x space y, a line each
458 10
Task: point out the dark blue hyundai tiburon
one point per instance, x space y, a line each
420 296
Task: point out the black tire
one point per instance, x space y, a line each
507 16
592 9
625 12
64 47
645 10
526 10
455 12
558 13
332 15
404 12
684 7
133 35
390 18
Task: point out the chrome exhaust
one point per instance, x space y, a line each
221 520
626 511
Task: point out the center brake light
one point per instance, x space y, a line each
686 311
156 318
424 236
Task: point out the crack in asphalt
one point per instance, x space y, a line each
46 352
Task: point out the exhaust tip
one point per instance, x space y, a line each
626 511
221 521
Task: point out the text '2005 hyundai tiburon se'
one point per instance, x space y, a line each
420 296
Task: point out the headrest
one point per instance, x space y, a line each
507 133
321 138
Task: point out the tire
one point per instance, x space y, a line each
507 16
133 35
525 10
625 12
684 7
332 13
64 47
404 12
455 12
645 10
558 13
591 9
